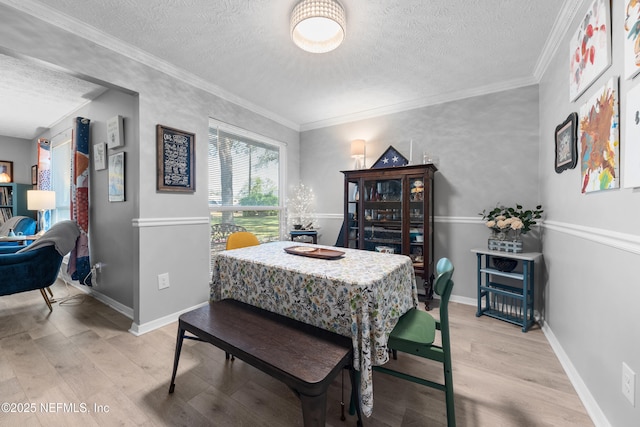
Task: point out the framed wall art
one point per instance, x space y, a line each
116 177
99 156
566 144
115 132
598 133
631 170
631 38
175 151
6 171
590 48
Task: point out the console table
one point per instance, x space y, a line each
508 302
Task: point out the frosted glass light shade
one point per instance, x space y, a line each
41 200
318 26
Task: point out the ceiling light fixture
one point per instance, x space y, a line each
318 26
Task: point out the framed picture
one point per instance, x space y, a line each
599 138
34 175
175 151
99 156
116 177
590 48
631 13
389 159
566 144
115 132
6 171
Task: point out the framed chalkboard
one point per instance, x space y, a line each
176 160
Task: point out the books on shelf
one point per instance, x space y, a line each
5 214
6 202
6 196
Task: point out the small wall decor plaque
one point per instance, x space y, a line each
6 171
34 175
115 132
99 156
566 145
116 177
175 151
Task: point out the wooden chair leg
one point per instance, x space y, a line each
51 298
46 299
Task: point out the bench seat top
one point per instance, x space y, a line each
303 356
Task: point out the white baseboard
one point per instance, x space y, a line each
590 404
138 330
120 308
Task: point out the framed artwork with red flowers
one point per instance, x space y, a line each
590 48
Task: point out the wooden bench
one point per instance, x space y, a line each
304 357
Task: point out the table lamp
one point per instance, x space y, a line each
42 201
358 151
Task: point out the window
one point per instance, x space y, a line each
246 183
61 175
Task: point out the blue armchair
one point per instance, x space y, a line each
37 265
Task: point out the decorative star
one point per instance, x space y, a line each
395 159
385 160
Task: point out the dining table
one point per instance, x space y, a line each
356 293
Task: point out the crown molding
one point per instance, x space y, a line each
557 34
420 103
85 31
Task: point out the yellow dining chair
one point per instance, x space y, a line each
241 239
415 333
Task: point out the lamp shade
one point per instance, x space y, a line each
41 200
318 26
357 148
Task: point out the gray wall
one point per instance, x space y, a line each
154 228
16 150
105 219
488 154
591 247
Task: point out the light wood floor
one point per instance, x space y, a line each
81 365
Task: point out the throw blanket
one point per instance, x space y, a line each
62 235
10 224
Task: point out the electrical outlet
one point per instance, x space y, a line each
629 384
163 281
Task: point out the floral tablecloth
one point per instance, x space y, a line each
360 295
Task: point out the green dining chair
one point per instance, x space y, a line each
415 333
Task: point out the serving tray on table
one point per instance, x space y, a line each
312 252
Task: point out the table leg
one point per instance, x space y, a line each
354 406
176 358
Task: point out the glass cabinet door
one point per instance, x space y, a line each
416 222
351 226
383 215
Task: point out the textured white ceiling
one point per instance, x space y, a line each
34 98
396 55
